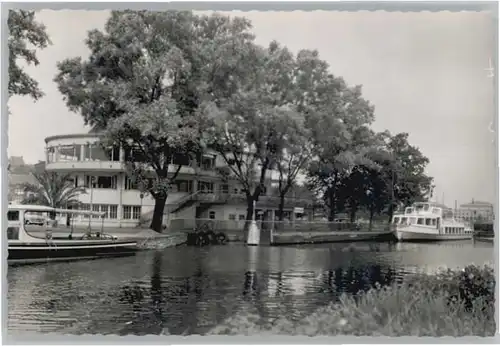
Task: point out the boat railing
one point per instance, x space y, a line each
52 226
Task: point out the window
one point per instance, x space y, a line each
13 215
208 162
131 212
181 159
85 207
101 182
235 190
205 187
396 220
96 208
211 215
136 212
130 184
232 217
127 212
184 185
404 220
434 222
241 217
428 222
446 230
413 220
420 221
224 188
113 211
13 233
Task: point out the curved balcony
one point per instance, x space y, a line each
111 166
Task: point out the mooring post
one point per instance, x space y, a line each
253 237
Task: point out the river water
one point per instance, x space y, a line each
186 290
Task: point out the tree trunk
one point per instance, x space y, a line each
157 221
331 200
281 206
250 211
372 213
352 214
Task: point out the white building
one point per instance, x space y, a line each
199 191
476 211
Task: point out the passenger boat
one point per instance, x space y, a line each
429 222
45 240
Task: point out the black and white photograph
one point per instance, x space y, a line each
250 173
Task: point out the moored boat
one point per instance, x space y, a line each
43 241
429 222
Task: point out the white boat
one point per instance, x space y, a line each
429 222
34 236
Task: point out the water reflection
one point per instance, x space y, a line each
189 291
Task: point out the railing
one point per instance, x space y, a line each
237 198
276 226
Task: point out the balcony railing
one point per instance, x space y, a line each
264 200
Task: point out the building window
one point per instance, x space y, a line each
205 187
136 212
127 212
131 212
184 185
101 182
208 162
232 217
130 184
224 188
113 211
211 215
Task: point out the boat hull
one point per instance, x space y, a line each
25 253
411 236
295 238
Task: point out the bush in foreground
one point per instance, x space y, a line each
452 303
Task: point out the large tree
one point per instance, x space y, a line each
26 36
143 83
248 127
343 141
295 156
409 180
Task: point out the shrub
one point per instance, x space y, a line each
450 303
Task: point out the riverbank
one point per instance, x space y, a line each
452 303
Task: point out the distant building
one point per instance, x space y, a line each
19 174
476 211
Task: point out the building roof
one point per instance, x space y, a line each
16 161
476 204
23 178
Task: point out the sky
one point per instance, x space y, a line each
424 73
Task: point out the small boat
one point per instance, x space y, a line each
429 222
34 236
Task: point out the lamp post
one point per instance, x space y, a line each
91 199
141 196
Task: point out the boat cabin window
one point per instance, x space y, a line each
409 210
13 215
434 222
428 222
13 233
413 220
404 220
420 221
396 220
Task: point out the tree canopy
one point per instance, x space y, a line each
26 36
169 85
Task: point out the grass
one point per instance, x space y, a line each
452 303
